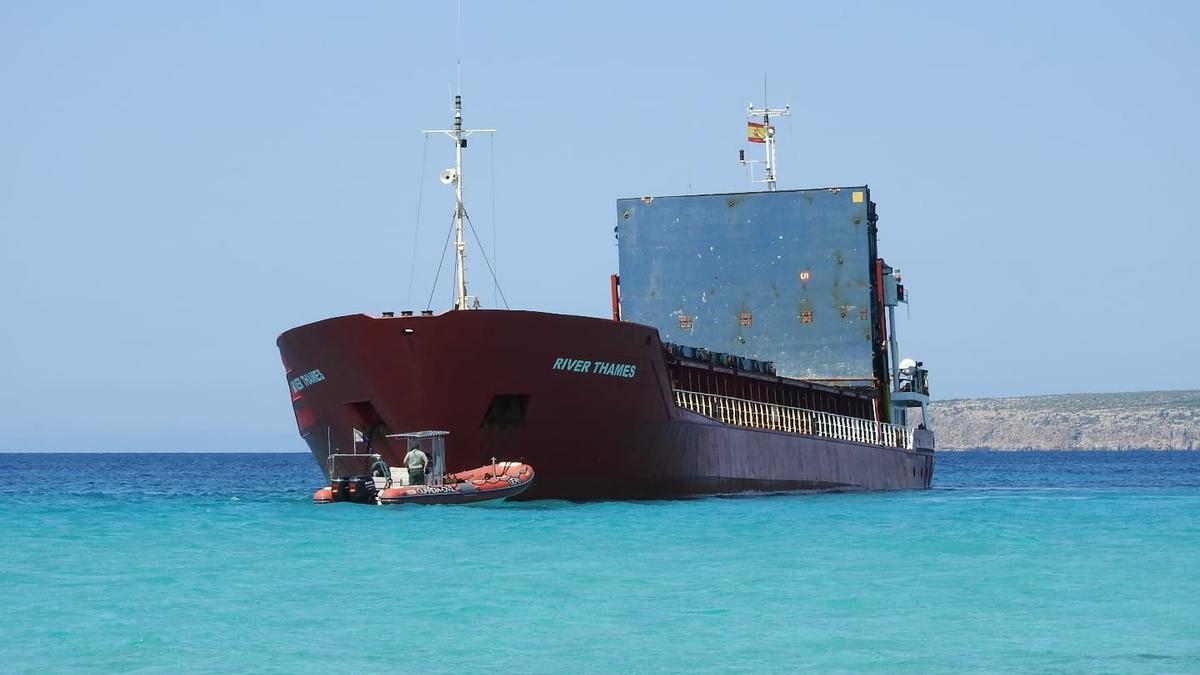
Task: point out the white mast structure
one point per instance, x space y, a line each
454 176
768 139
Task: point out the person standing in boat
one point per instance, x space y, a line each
417 462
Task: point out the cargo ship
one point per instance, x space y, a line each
751 349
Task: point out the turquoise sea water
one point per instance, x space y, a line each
1047 562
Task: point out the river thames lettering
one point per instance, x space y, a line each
626 370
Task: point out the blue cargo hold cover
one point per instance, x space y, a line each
775 276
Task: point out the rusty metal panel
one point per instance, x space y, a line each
775 276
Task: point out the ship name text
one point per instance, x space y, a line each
307 380
626 370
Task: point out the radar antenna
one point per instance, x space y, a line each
762 132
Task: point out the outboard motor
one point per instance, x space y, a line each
355 489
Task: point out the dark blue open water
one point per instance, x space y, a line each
1024 561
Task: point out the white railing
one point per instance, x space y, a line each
758 415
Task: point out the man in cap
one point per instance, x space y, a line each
416 461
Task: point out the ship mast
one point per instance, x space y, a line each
763 132
454 177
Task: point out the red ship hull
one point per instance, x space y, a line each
587 402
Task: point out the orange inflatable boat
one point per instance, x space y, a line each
366 478
493 481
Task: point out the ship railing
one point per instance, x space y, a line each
771 416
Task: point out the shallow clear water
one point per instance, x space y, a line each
1050 562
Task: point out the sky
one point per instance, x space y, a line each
181 182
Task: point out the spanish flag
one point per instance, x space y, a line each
756 133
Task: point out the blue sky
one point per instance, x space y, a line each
181 182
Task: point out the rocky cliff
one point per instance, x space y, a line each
1158 420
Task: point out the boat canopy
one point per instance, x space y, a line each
419 434
433 444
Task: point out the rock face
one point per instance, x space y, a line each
1150 420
